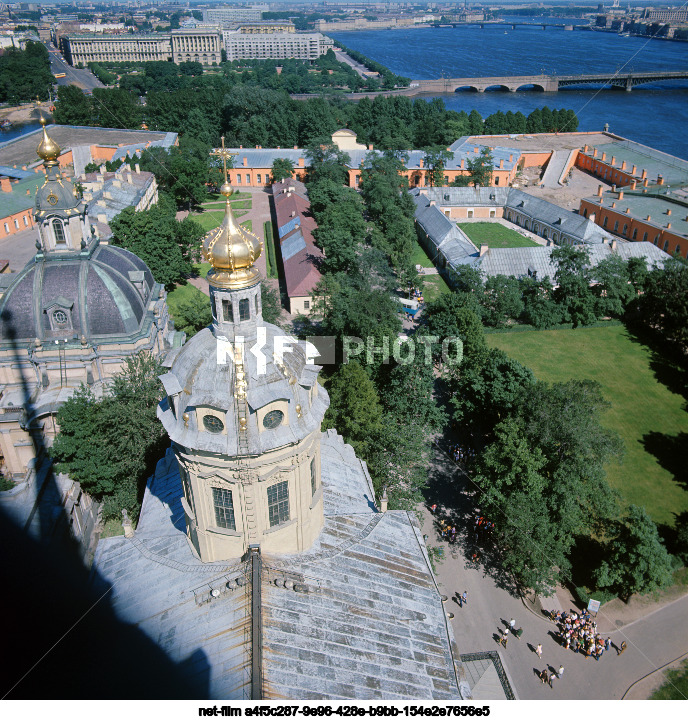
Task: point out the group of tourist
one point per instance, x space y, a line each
578 631
460 454
482 528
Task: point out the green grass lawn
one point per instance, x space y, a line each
271 257
180 293
641 405
212 218
215 198
495 235
433 287
675 687
420 257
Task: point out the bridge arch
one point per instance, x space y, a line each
531 87
495 88
465 89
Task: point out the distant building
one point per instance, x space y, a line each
278 46
252 166
17 192
229 14
300 256
201 45
638 214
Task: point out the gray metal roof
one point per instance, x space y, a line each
292 245
371 626
520 262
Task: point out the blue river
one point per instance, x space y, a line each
654 114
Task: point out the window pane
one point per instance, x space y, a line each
227 311
244 312
278 503
58 229
224 508
313 479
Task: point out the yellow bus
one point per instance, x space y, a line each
60 75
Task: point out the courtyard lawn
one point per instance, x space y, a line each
642 409
212 218
420 257
433 287
495 235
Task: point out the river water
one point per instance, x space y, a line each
655 114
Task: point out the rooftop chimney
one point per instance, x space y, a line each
5 185
420 163
604 156
484 247
628 211
614 244
585 148
668 211
594 152
245 162
643 174
645 182
660 180
511 157
501 163
137 168
621 195
301 163
649 217
623 165
634 183
668 225
600 190
614 204
370 146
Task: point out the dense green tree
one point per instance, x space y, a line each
153 236
282 168
539 307
72 107
635 559
116 108
514 487
475 123
664 305
573 293
270 301
192 314
25 74
501 301
613 289
355 409
485 394
454 315
111 445
436 161
481 168
327 161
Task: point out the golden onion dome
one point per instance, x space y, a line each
231 250
48 150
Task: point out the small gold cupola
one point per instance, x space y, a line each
48 150
231 249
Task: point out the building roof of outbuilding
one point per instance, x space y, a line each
370 626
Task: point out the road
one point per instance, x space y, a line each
652 641
83 79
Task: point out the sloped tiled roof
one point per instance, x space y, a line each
370 626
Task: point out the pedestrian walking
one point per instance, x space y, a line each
607 644
505 637
544 676
560 671
622 648
552 676
512 624
464 597
538 650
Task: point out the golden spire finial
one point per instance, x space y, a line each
226 189
48 150
231 249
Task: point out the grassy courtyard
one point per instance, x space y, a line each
495 235
645 412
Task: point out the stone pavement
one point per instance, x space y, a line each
653 640
19 248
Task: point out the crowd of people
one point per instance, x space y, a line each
482 528
578 632
460 454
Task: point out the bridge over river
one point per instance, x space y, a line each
548 83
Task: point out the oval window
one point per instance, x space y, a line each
213 424
60 317
273 419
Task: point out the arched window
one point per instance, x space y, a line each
58 230
244 310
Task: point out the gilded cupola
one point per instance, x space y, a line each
48 150
231 249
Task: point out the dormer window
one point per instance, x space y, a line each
58 231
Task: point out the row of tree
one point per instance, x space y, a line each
251 114
540 470
582 294
25 74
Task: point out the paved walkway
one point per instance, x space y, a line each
653 640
